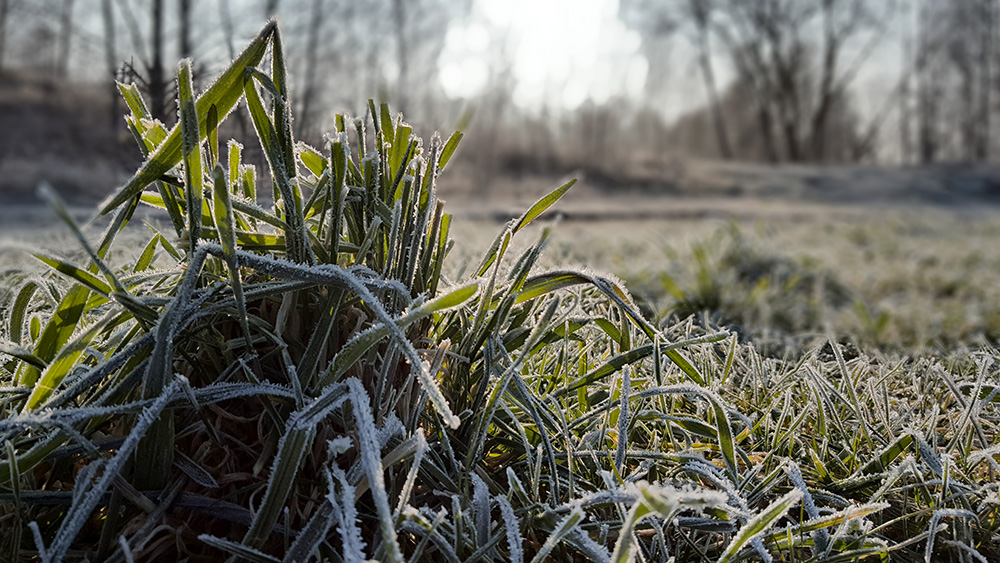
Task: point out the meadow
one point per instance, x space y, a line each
322 373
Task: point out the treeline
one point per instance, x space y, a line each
779 78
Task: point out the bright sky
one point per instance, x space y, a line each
561 52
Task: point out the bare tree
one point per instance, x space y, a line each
157 79
795 92
5 6
184 27
110 57
402 82
842 19
987 50
270 8
226 17
311 76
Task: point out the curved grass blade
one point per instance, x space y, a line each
562 529
13 350
18 308
225 223
759 524
58 330
449 148
541 205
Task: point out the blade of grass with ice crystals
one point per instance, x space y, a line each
859 411
146 256
759 524
932 528
282 104
481 509
154 456
449 148
779 538
58 330
144 137
623 422
212 126
18 308
224 93
371 462
562 529
225 223
81 276
191 152
292 449
79 512
296 237
55 202
411 476
541 205
646 505
12 349
356 348
309 538
240 550
630 357
513 529
496 251
60 366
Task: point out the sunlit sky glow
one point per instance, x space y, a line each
561 52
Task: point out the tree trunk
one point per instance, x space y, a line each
985 80
270 8
110 58
399 15
905 91
4 11
312 56
701 14
826 93
184 14
65 37
157 80
226 16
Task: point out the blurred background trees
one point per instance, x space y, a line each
772 81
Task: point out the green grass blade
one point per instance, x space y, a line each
191 152
449 149
80 275
23 354
58 329
60 366
225 224
18 309
760 523
562 529
541 205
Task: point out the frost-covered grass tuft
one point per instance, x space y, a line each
299 381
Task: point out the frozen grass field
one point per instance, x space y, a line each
327 378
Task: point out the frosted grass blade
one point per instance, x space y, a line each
562 529
759 524
541 206
190 153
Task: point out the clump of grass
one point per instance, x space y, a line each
300 382
736 282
